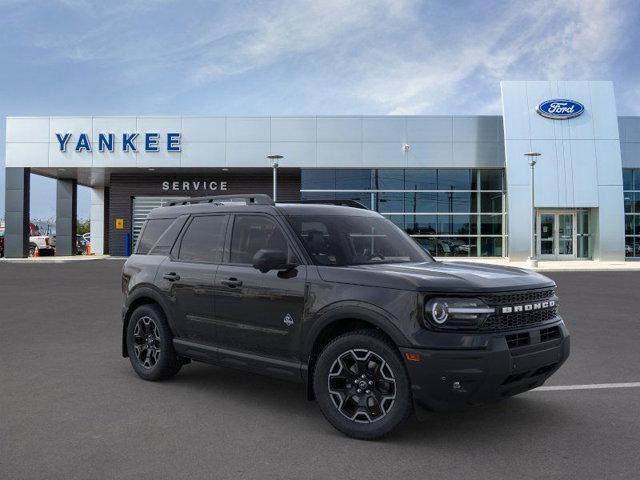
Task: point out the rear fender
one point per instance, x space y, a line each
141 295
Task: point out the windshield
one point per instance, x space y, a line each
341 240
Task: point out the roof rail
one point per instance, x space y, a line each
341 203
255 199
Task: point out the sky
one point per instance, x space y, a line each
161 57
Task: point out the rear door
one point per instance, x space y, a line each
187 276
259 313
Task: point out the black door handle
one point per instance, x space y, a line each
232 282
171 276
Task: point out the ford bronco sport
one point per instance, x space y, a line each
339 298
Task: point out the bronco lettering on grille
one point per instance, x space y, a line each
528 307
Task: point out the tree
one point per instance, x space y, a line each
84 226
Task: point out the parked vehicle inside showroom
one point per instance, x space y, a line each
339 298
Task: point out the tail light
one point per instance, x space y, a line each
46 241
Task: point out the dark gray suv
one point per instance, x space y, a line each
339 298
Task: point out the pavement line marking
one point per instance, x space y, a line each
592 386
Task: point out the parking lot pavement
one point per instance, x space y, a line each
71 407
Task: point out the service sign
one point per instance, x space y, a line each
106 142
560 109
194 186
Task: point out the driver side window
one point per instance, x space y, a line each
256 232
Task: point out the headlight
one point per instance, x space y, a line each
453 313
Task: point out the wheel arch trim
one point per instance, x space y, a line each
364 312
142 295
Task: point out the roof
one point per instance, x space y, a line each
239 207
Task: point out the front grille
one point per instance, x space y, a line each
509 321
516 320
514 298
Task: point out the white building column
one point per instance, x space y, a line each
580 166
97 221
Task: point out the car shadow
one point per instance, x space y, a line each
510 418
507 418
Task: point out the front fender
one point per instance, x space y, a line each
354 310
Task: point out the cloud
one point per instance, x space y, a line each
391 56
290 30
541 40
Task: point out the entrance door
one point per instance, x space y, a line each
557 235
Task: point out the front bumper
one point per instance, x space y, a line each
446 379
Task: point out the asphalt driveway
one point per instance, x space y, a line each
71 407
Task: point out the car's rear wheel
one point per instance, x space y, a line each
150 346
361 385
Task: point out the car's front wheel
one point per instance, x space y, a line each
150 345
361 385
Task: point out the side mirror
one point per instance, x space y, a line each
265 260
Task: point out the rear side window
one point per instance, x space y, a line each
168 238
152 231
203 240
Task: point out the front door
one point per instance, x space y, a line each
556 235
259 314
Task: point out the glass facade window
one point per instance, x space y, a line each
631 181
585 245
449 211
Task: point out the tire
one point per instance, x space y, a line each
150 344
383 394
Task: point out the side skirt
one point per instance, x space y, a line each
273 367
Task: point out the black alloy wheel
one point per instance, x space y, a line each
150 344
146 342
361 385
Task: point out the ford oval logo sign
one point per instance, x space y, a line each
560 109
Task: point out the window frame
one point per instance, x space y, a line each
175 251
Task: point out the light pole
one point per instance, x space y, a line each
532 261
274 163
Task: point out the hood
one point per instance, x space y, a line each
442 277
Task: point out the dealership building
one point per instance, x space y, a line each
461 185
